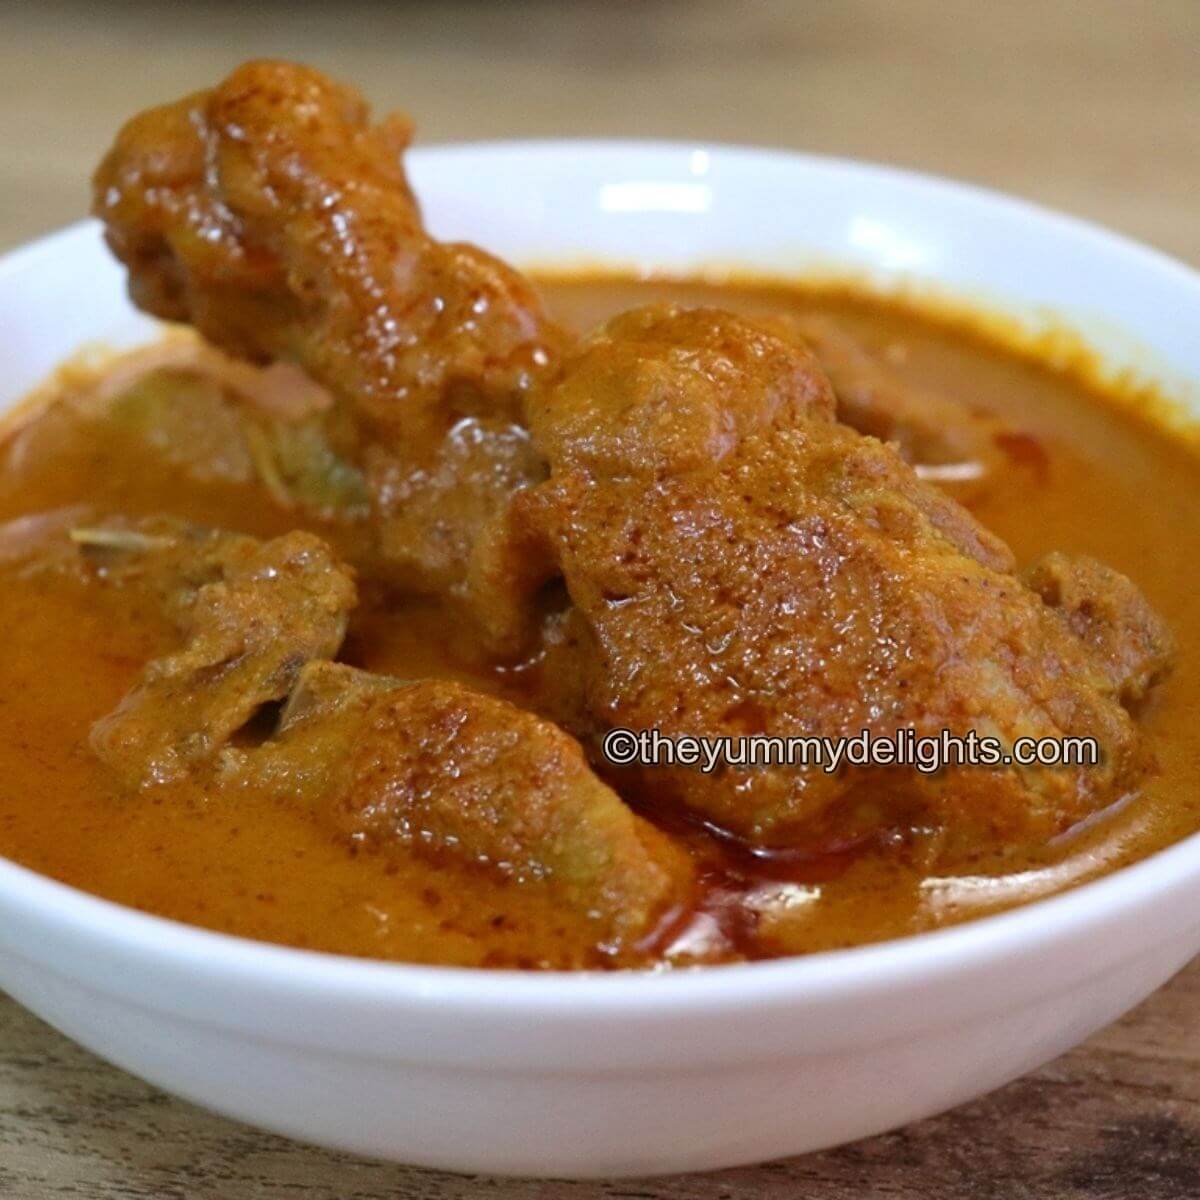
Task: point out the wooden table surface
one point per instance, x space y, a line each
1089 106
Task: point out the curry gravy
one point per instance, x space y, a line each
1087 474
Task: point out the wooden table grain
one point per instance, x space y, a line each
1088 105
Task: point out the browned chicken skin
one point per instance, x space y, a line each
739 563
438 769
253 614
272 215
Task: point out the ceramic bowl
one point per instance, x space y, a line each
602 1075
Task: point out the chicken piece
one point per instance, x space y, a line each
447 772
739 563
275 218
430 767
219 420
947 442
1129 640
212 417
253 613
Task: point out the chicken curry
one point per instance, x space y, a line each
321 612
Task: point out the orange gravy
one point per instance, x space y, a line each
1103 481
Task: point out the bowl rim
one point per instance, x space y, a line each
1033 928
742 154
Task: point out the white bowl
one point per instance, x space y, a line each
585 1075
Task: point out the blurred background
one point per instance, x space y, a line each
1088 105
